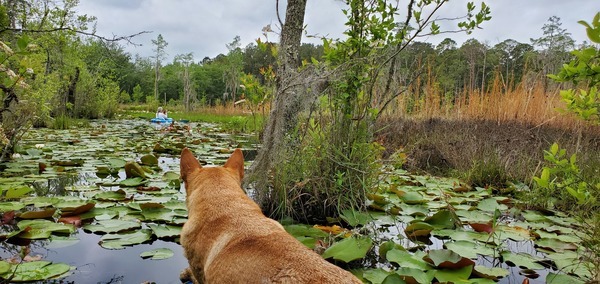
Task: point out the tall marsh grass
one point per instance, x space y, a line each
527 103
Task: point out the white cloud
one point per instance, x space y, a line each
205 27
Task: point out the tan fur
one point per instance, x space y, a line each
227 239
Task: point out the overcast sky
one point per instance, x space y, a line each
204 27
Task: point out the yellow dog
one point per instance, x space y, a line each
227 239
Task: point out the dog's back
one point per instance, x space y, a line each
227 239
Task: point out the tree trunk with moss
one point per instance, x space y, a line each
287 104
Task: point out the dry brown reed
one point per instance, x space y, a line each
529 104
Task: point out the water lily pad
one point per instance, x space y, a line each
349 249
42 229
521 260
40 201
132 182
418 229
411 197
76 210
149 160
158 214
474 216
10 206
4 267
39 214
133 170
555 278
375 275
412 275
165 231
443 219
119 241
355 218
37 271
514 233
175 205
414 210
555 245
469 249
117 163
565 238
112 226
156 254
17 192
493 273
533 216
444 258
304 231
406 259
460 275
119 195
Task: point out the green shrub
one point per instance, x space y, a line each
61 122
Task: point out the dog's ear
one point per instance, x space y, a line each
188 163
236 163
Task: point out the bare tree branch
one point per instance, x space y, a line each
127 38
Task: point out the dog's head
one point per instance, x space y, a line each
192 170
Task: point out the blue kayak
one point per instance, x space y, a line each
161 120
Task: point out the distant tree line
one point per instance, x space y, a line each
453 69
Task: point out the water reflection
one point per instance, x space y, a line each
95 264
57 186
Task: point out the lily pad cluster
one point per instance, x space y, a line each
449 232
423 229
119 179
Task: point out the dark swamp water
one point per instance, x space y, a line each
80 164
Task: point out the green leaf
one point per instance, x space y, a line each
406 259
377 275
22 43
555 278
493 273
4 267
119 241
355 218
554 149
454 275
393 279
305 231
521 260
168 176
412 275
119 195
10 206
156 254
469 249
132 182
349 249
444 258
555 245
117 163
149 160
165 231
42 229
39 271
490 205
418 229
443 219
112 226
17 192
